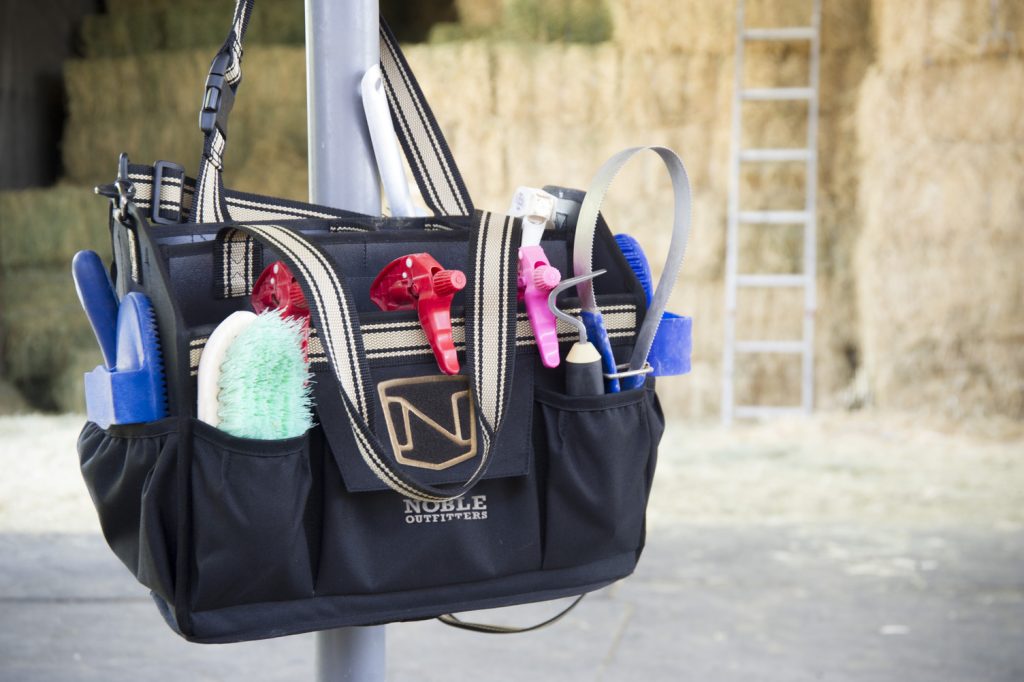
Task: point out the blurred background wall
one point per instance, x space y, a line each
921 177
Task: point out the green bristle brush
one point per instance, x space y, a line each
262 388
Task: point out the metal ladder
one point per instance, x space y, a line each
765 219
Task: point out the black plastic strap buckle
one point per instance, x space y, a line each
162 169
121 192
218 98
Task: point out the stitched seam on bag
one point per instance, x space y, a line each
163 432
224 449
540 397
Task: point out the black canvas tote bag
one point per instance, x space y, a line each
242 539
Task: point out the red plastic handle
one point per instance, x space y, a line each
277 289
419 281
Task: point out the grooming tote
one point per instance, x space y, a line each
519 493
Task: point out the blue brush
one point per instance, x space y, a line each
670 352
637 260
133 391
99 301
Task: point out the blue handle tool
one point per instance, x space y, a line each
673 342
99 301
598 336
133 390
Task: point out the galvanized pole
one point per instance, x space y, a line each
342 42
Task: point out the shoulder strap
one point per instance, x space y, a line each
433 166
431 160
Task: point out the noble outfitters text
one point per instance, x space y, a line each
462 509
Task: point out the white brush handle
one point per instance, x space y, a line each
385 145
214 352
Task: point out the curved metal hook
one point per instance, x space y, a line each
566 317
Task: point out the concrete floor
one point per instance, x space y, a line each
709 603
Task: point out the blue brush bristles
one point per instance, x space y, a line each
265 389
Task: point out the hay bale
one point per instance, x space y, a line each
915 33
479 13
66 391
156 119
123 33
666 78
127 6
48 226
458 81
710 27
136 29
940 284
570 21
41 322
685 103
11 400
694 26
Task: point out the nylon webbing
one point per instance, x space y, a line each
426 150
433 166
586 225
490 339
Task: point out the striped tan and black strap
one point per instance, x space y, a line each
490 339
433 167
426 150
209 205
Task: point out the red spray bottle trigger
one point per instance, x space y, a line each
419 281
277 289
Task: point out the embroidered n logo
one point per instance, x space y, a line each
431 420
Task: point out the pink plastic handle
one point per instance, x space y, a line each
537 277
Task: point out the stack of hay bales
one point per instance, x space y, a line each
157 117
131 93
940 282
131 28
529 112
46 338
919 178
567 21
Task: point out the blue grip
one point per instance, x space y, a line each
98 300
598 335
672 347
133 391
673 344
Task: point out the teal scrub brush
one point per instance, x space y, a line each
255 382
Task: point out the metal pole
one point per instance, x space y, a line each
342 42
